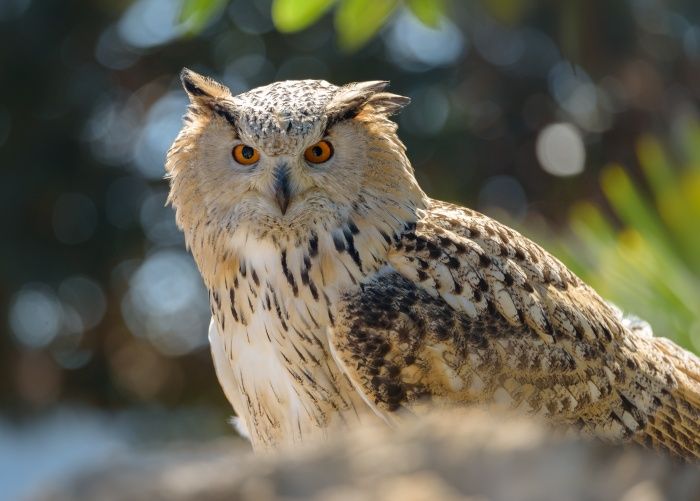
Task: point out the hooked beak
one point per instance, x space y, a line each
282 187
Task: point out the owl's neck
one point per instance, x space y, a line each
356 241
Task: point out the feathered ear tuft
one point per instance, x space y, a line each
387 103
350 100
201 89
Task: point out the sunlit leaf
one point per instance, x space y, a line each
588 216
195 15
358 20
629 204
691 191
429 12
655 165
295 15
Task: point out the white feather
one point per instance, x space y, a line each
225 375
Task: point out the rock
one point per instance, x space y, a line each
444 456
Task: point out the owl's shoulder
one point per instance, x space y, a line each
460 231
482 267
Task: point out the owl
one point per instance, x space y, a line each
341 293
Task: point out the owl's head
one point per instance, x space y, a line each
288 159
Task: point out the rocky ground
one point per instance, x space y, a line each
447 456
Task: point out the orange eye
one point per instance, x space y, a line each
319 152
245 155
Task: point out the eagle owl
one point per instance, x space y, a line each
340 292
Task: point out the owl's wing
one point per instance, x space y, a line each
469 311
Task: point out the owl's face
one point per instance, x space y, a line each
288 159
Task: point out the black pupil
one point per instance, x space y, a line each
247 152
317 151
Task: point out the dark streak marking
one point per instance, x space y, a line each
288 274
351 248
313 245
227 115
311 316
353 227
232 296
339 243
302 357
308 376
314 291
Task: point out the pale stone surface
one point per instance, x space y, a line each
448 456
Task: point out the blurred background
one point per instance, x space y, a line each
575 121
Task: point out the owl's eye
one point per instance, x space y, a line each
319 152
245 155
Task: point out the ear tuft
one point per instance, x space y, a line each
202 89
387 103
188 80
350 99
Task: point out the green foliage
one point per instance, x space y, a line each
196 14
295 15
358 20
644 254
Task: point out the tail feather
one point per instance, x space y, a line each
673 421
687 368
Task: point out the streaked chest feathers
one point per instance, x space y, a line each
272 306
